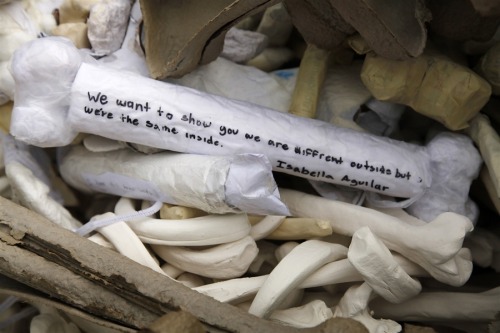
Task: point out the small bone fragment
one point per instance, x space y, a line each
107 25
379 269
291 271
484 246
417 243
301 228
198 231
242 45
312 72
224 261
127 243
488 141
443 306
308 315
75 10
354 304
266 226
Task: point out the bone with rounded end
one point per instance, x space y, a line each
204 230
354 304
443 306
224 261
379 269
417 243
127 243
308 315
291 271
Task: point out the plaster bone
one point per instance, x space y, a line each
433 246
291 271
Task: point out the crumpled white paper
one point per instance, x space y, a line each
216 184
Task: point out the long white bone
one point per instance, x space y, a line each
127 107
433 246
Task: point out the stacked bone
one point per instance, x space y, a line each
413 113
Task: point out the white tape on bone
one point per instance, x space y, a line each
124 106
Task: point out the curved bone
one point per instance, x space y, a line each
291 271
224 261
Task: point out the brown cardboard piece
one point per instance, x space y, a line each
431 84
181 35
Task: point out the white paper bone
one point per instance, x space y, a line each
436 246
126 107
291 271
216 184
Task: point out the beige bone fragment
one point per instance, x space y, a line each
168 212
301 228
462 93
433 246
266 226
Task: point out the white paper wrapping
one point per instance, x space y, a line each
216 184
124 106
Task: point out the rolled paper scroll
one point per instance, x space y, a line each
216 184
126 107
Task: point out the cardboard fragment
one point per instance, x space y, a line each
181 35
471 25
394 29
431 84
